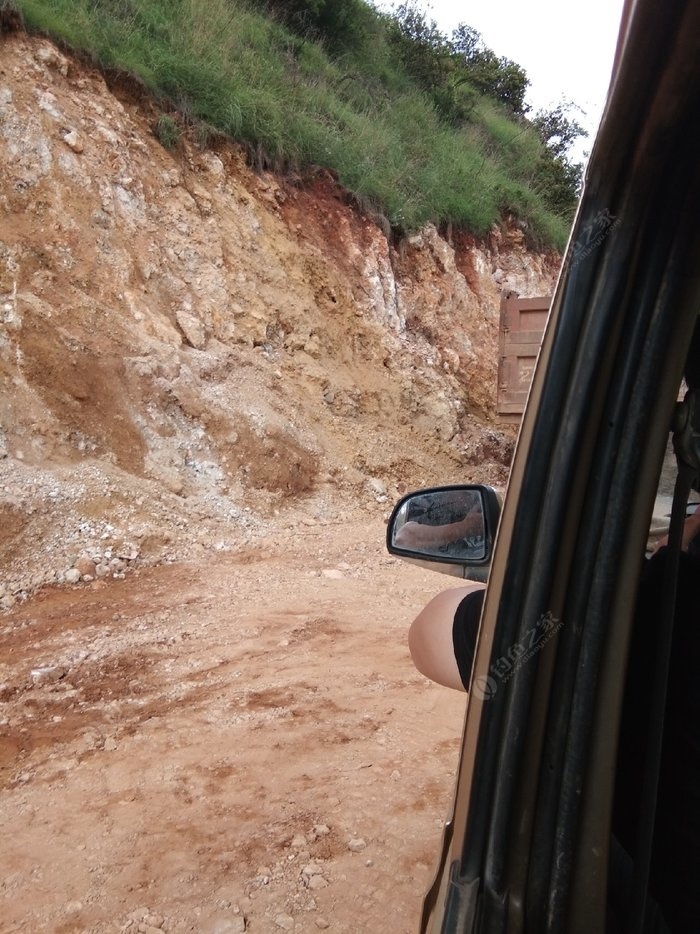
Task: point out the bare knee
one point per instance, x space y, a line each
432 652
430 639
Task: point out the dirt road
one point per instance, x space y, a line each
241 744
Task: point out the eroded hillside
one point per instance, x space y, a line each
192 352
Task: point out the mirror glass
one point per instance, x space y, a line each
442 523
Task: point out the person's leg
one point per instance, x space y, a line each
430 637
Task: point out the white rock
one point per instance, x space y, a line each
73 141
171 178
284 921
235 925
356 844
72 576
317 882
48 674
53 58
333 574
128 553
192 328
377 486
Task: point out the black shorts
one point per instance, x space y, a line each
464 630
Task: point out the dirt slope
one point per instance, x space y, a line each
186 342
213 384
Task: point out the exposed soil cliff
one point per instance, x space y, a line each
188 347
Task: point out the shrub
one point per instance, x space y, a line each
167 132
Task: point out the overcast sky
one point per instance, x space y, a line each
566 48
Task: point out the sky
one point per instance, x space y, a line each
566 48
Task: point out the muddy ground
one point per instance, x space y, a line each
241 744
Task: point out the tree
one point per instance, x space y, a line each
421 46
340 24
558 179
500 78
557 129
428 57
343 24
467 42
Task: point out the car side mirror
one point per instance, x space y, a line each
449 529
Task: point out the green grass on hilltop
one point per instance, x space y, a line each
226 64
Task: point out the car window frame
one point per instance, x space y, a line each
636 293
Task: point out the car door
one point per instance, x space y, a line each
528 846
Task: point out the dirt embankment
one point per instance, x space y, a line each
187 348
213 383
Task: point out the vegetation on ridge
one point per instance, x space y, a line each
418 127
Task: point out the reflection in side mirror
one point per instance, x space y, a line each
444 522
453 526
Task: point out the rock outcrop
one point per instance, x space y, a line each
188 347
